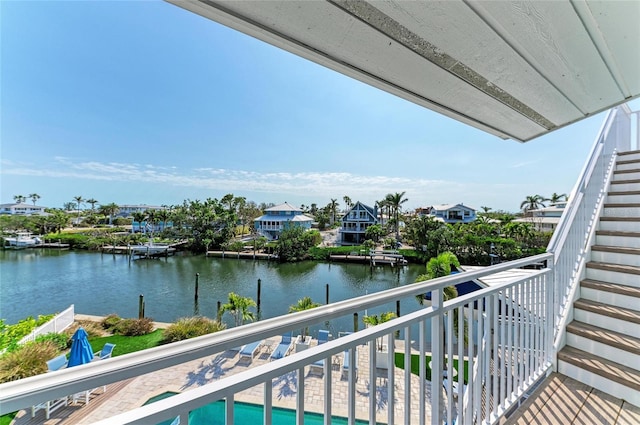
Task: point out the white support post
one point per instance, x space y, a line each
229 409
423 373
437 343
353 364
327 390
407 375
372 381
268 392
391 362
300 398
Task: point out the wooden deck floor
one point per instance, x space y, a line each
561 400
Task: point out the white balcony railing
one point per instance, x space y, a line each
507 335
572 240
507 329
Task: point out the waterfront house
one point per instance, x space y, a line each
506 68
544 219
355 222
127 210
21 209
451 213
281 217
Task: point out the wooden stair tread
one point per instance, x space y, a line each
618 249
617 233
605 336
615 288
622 205
620 268
623 192
637 170
620 218
625 181
600 366
628 161
633 152
621 313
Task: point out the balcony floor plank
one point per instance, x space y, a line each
562 400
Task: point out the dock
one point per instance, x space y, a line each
374 258
243 254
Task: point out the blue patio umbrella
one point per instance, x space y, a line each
81 351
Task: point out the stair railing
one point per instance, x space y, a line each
572 240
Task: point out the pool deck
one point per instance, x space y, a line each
127 395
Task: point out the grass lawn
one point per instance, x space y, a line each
6 419
415 365
124 345
127 344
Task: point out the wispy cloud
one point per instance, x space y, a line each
523 164
322 185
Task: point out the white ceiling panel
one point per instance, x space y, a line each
516 69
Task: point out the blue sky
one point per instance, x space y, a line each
145 103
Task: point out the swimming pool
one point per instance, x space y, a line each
249 414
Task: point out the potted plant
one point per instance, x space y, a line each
382 359
306 303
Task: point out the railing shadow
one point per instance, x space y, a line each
209 371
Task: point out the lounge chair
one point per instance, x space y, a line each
57 363
323 336
105 353
455 387
248 351
283 347
346 364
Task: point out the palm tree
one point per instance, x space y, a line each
34 197
438 267
238 306
139 216
79 200
333 206
441 266
93 203
532 202
555 198
395 201
347 202
19 198
68 206
303 304
486 209
110 210
374 320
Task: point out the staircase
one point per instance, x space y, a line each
603 341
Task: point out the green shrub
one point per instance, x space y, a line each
61 341
134 327
11 334
110 322
27 360
190 327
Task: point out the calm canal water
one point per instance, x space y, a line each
40 281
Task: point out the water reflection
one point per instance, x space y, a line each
46 281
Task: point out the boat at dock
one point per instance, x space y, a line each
22 240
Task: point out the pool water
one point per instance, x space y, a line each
249 414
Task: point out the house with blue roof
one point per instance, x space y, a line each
281 217
355 223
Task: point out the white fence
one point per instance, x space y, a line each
59 323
